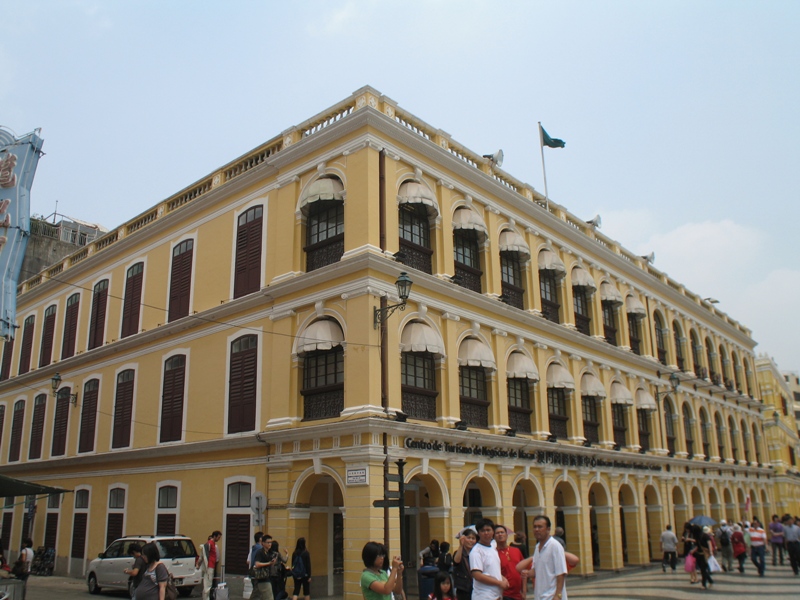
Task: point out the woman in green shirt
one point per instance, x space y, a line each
376 583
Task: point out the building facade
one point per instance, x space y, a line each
225 343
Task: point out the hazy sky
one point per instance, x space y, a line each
682 118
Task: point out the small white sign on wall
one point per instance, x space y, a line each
357 475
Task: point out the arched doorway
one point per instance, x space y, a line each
732 515
527 505
680 508
698 504
602 527
565 501
716 511
655 521
766 508
480 500
630 527
426 512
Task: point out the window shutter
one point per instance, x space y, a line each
48 330
237 534
16 431
70 327
114 527
27 346
8 353
123 410
88 416
5 539
133 300
165 524
180 286
172 399
78 536
61 423
247 276
50 530
37 427
242 387
98 322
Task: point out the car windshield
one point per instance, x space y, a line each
176 548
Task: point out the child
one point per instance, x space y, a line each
442 587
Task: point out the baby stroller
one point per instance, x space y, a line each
38 559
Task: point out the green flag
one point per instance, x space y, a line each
550 142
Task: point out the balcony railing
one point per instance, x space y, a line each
550 311
591 431
558 426
419 404
610 333
644 440
323 405
468 277
513 295
474 412
583 324
416 257
519 419
620 436
325 253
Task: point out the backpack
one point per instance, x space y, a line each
298 567
445 562
724 538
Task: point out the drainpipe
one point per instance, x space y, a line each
384 345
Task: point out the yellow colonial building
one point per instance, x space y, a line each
236 339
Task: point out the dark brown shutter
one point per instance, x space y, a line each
114 527
48 331
5 538
2 422
8 353
165 524
88 416
180 285
78 536
247 272
123 410
70 327
97 324
27 346
26 525
133 300
242 387
61 422
37 427
16 431
237 543
50 530
172 399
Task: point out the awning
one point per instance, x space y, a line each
320 335
324 188
474 353
620 394
592 386
17 487
610 293
421 337
635 306
412 192
645 400
511 241
582 278
559 377
549 261
521 366
466 218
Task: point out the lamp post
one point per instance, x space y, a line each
674 382
403 285
55 383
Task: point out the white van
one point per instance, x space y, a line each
178 554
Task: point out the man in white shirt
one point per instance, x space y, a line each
484 562
27 556
549 563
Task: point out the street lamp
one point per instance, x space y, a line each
403 285
674 382
55 383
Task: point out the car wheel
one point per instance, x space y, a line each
186 591
92 583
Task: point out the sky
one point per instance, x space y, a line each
681 118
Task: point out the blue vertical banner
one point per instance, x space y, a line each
18 160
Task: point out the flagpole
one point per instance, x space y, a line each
544 171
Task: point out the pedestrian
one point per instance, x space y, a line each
209 560
136 572
429 554
5 568
277 577
705 550
791 535
775 532
723 537
25 561
262 565
510 557
462 574
488 582
559 537
549 563
251 559
445 560
739 546
669 549
520 543
154 581
691 550
376 582
758 549
442 586
301 569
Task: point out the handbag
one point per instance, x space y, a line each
261 572
713 565
691 564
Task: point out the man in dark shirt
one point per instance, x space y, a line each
262 590
137 570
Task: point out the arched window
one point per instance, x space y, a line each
521 377
123 409
661 333
697 356
705 432
70 326
8 356
643 419
757 443
514 254
748 378
131 306
48 332
167 510
242 386
583 286
323 370
725 364
97 323
745 440
116 514
551 271
27 345
688 429
420 344
88 416
610 300
417 207
323 205
469 233
61 422
669 425
247 269
734 435
560 385
16 431
172 399
711 357
737 382
180 282
475 359
636 313
37 427
720 436
677 335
